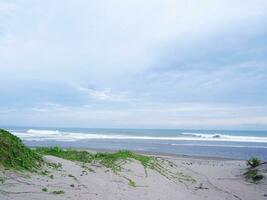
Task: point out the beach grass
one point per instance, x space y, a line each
253 174
15 155
253 162
116 161
113 161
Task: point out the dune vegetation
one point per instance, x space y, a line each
253 173
15 155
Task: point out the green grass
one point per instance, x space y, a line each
113 161
131 183
15 155
44 189
116 161
253 175
254 162
58 192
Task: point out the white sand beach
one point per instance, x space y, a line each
201 178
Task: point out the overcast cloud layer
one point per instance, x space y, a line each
134 64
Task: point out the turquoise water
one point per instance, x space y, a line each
219 143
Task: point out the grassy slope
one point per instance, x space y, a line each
15 155
113 161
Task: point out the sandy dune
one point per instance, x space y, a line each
214 179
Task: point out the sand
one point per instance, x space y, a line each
215 179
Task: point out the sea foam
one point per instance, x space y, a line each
41 135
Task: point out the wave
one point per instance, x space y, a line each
221 145
34 134
223 137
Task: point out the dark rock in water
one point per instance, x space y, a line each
216 136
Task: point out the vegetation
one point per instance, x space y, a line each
254 162
58 192
253 174
44 189
116 161
131 183
113 161
15 155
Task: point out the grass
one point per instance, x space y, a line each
44 189
131 183
253 174
116 161
113 161
58 192
254 162
45 173
15 155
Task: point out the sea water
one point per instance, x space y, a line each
211 143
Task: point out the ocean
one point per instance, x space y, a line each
210 143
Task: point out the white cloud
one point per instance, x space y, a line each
144 116
147 56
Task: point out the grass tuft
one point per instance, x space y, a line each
253 162
131 183
58 192
253 175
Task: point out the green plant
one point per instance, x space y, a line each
44 189
15 155
58 192
44 173
131 183
253 162
253 175
115 161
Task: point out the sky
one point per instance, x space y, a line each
134 64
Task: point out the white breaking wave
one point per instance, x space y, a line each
222 137
41 135
220 145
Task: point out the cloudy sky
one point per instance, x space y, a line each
134 64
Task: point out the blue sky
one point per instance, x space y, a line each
134 64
